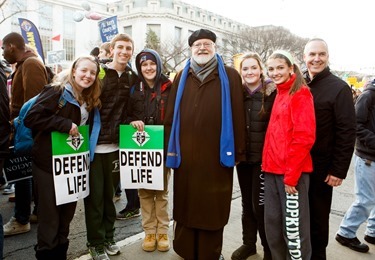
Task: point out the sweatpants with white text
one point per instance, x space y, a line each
287 218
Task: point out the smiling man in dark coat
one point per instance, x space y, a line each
205 123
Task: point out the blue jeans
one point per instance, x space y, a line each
22 209
363 208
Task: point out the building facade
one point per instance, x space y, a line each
171 20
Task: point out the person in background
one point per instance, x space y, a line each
133 205
105 55
287 161
50 74
4 135
147 107
81 90
259 95
95 52
205 126
100 212
335 137
363 208
5 70
28 79
57 68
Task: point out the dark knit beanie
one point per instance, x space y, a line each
146 56
201 34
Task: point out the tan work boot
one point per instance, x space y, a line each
149 243
163 242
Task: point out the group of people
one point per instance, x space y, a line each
289 134
293 163
100 96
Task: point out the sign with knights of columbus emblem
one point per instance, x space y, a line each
71 165
141 138
75 141
142 157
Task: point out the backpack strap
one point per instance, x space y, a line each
61 103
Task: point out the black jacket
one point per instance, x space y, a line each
335 124
114 98
257 122
4 116
147 104
42 119
365 113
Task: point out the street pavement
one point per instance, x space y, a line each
129 232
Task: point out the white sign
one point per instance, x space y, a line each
142 158
71 165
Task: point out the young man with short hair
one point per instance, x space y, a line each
100 211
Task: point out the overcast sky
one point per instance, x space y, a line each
347 26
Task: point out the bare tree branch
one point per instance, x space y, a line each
5 4
264 40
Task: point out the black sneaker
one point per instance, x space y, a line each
98 253
370 239
243 252
126 214
352 243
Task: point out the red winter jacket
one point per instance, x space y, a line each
290 134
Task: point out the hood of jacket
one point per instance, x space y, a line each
158 65
370 86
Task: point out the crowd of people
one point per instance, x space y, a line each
290 134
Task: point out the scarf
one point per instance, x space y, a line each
226 137
203 72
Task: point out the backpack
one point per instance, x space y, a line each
23 136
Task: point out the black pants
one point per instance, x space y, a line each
53 221
133 199
251 181
320 198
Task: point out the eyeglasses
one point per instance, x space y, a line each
205 45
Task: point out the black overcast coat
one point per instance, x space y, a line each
335 124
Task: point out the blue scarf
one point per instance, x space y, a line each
226 137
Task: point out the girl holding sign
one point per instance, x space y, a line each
70 101
146 106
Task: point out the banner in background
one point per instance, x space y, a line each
142 157
71 165
54 57
108 28
17 167
31 36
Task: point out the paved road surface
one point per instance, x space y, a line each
21 246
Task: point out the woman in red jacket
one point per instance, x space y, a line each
287 161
